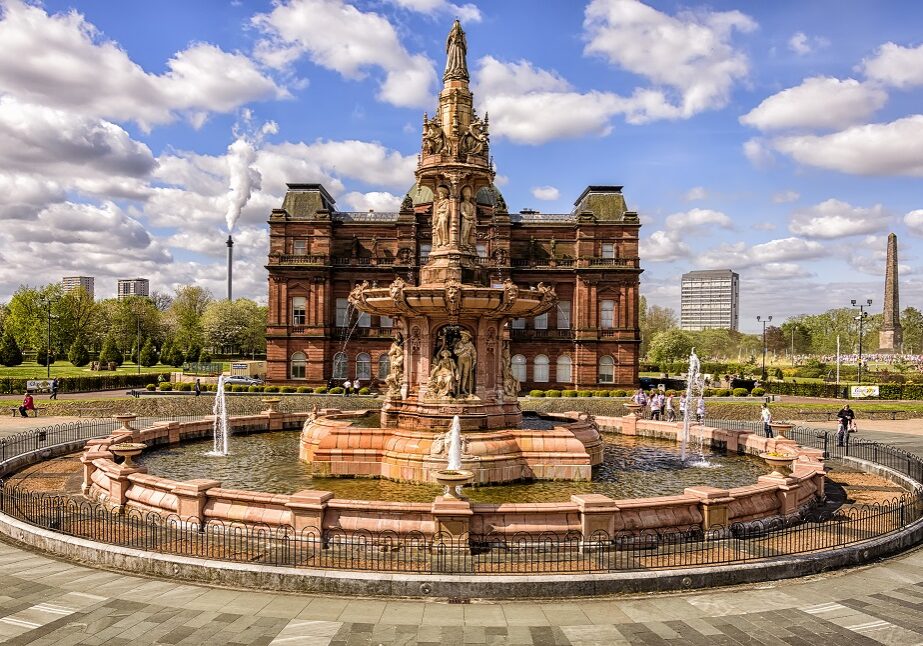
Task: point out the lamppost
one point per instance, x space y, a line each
764 321
861 318
47 302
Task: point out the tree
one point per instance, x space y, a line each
44 357
775 339
235 326
110 352
78 354
670 345
653 319
185 316
148 354
912 323
10 354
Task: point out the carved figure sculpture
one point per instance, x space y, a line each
547 292
433 138
553 247
456 48
476 140
469 219
453 296
396 362
396 290
466 359
510 291
441 218
510 383
357 295
443 377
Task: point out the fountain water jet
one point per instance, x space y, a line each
220 410
694 388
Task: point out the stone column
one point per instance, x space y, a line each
451 552
786 492
119 484
191 496
89 468
597 516
713 505
307 508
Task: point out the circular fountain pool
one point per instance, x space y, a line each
633 467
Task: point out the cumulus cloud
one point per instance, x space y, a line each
740 256
913 220
668 244
819 102
836 219
873 149
61 61
758 153
784 197
895 65
688 57
547 193
698 220
340 37
662 247
802 44
763 225
695 193
372 201
465 13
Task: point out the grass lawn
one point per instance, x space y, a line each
31 370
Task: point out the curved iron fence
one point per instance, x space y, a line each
496 553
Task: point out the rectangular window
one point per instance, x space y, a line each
300 247
563 315
540 322
342 310
482 250
519 324
298 310
365 319
607 314
608 250
386 322
424 251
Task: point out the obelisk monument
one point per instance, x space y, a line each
891 335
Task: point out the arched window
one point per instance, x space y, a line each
564 370
339 365
606 370
364 366
519 367
540 369
298 364
384 367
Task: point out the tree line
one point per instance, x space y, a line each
188 326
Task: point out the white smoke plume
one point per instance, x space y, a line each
244 179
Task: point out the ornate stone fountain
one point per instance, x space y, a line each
450 356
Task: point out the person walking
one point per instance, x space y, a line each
27 404
197 388
766 416
700 410
656 406
54 388
347 385
668 409
846 417
682 406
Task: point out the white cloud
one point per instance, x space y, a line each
739 256
662 247
342 38
465 13
784 197
697 219
895 65
873 149
668 244
758 153
836 219
763 225
61 61
802 44
819 102
695 193
548 193
914 221
373 201
689 55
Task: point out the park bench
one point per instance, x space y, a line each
817 415
15 410
892 414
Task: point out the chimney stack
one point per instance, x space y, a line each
230 244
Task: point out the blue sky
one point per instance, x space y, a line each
783 140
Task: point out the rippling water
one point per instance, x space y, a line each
633 468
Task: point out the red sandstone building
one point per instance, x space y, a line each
318 254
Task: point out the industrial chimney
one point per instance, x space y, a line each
230 244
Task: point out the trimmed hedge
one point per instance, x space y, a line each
336 390
304 389
82 384
568 393
320 390
552 393
758 392
536 393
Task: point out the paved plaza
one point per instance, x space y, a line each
48 601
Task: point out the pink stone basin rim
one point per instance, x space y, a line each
456 476
127 446
488 302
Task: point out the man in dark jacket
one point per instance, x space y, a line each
846 416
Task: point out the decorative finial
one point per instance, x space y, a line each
456 48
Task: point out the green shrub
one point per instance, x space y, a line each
365 390
239 388
184 387
270 389
552 393
254 389
148 354
600 393
320 390
291 389
166 386
617 393
758 392
151 387
741 392
568 393
110 353
78 354
10 354
536 393
584 393
41 357
304 389
337 390
708 392
722 392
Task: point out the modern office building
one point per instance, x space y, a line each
134 287
710 299
70 283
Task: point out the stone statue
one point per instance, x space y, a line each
453 296
553 246
396 290
441 218
547 292
456 48
510 383
476 139
356 247
357 295
433 138
396 366
468 238
443 377
533 248
466 359
510 291
374 246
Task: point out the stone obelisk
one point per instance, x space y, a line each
891 335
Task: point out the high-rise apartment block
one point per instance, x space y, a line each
134 287
710 299
70 283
